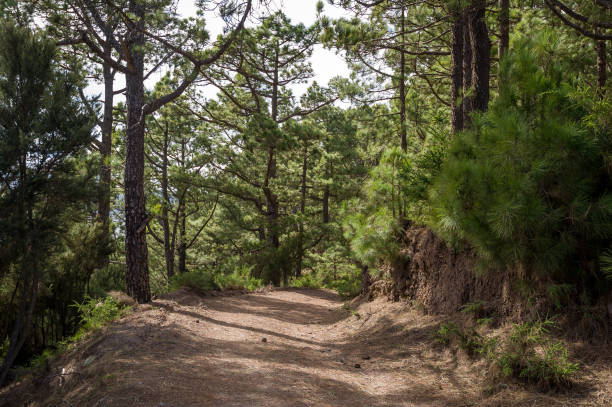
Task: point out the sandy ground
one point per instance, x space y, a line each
285 348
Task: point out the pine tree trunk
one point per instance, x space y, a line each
402 89
300 248
326 191
366 281
105 152
136 255
481 55
457 72
504 28
272 209
602 74
182 248
468 93
168 247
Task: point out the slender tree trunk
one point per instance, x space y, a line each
136 255
105 151
366 281
168 246
402 88
481 55
300 249
326 192
468 93
182 249
602 74
272 209
457 72
504 28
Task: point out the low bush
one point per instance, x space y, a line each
532 356
310 280
95 313
199 280
528 354
347 285
240 279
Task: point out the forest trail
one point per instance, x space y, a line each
189 350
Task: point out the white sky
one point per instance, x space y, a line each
325 63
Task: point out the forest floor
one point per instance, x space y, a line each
287 347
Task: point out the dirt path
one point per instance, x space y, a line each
285 348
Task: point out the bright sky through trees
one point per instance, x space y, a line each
326 63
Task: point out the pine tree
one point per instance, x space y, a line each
42 130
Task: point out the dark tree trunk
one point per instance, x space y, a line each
468 92
602 74
326 204
272 209
504 28
326 192
366 281
182 248
457 72
165 221
402 89
182 208
300 248
481 55
136 256
105 152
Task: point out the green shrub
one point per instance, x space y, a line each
96 313
527 354
240 279
199 280
467 339
531 355
347 285
310 280
529 183
395 190
446 333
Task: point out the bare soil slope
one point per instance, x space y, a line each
282 348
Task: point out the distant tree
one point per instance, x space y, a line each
43 129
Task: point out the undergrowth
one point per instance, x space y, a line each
95 314
347 284
240 278
310 280
528 353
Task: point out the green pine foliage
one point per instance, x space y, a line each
529 183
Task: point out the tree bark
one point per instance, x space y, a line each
168 243
182 248
136 255
481 55
105 151
366 281
602 74
468 93
272 209
402 88
504 28
300 248
457 72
